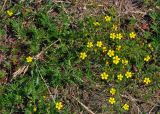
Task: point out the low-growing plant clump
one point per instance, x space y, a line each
52 63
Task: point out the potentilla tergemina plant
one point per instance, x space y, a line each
119 53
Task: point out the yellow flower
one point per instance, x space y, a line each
119 36
147 58
114 27
118 48
104 49
83 55
90 44
59 105
150 47
125 107
107 63
29 59
34 108
128 74
110 53
108 18
120 77
112 100
147 80
116 60
112 36
124 61
113 91
99 44
96 24
44 97
9 12
104 76
132 35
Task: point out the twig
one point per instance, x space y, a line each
121 6
21 70
51 45
135 12
4 5
62 2
24 68
90 111
140 28
153 108
39 54
138 12
133 99
49 91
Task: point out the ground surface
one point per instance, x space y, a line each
55 33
